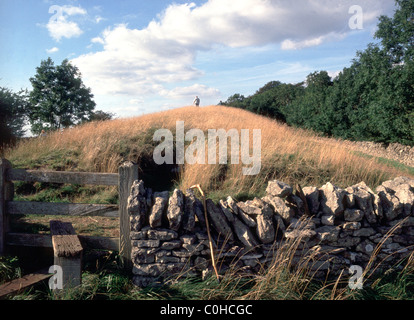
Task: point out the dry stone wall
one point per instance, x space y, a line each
333 228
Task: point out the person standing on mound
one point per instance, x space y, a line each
196 101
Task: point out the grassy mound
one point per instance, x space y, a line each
287 154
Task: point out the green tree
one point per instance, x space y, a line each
13 107
372 100
274 98
268 86
237 100
308 110
339 104
59 98
397 33
100 115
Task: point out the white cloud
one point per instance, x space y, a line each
59 26
72 10
311 42
63 29
97 40
259 22
135 62
190 92
52 50
136 101
143 61
98 19
334 74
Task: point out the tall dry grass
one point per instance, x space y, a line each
293 272
288 154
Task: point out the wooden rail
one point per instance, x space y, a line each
128 172
59 209
45 241
104 179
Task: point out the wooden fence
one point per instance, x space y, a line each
127 173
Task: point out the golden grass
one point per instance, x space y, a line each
288 154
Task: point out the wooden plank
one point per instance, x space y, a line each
66 245
15 286
106 179
58 209
45 241
64 239
128 173
5 165
61 228
102 243
29 240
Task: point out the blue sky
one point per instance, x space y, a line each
145 56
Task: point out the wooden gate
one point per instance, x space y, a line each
127 173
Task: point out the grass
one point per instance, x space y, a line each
90 226
287 154
57 192
389 162
9 269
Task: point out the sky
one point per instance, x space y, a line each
144 56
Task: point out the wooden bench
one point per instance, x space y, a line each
67 253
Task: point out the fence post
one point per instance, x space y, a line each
67 254
6 194
128 173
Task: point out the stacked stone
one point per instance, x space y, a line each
160 253
334 228
169 237
355 226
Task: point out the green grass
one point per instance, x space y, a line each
390 163
67 193
9 268
57 160
393 285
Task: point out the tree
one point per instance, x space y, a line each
308 110
372 100
397 33
13 107
236 100
318 80
268 86
59 98
274 99
100 115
